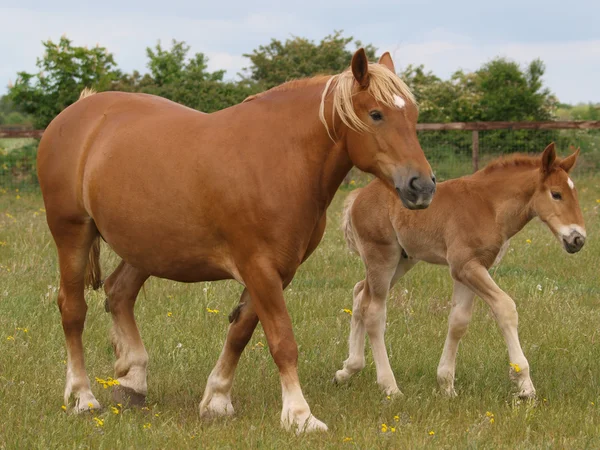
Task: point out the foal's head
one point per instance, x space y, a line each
555 200
380 116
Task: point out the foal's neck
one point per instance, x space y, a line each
510 194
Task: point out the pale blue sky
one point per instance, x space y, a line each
443 35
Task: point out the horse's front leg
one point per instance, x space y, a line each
266 289
476 277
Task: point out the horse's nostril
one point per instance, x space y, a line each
413 183
578 241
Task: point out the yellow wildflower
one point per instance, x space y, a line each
64 408
396 418
352 183
157 414
91 405
492 420
212 311
114 410
147 426
18 197
528 241
384 428
2 243
598 200
515 367
393 429
347 311
169 314
432 433
347 439
10 338
99 422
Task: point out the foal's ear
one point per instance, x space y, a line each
360 68
548 158
568 163
386 60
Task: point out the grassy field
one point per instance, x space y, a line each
558 297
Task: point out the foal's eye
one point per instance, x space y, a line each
376 116
556 195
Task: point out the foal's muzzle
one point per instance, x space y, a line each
573 242
416 192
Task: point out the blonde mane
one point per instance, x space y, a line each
384 85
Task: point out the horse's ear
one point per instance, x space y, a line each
548 158
568 163
386 60
360 68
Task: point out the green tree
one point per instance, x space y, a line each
64 70
279 61
186 80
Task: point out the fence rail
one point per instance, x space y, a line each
453 149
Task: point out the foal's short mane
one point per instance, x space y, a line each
513 161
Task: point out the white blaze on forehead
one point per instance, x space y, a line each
571 184
399 101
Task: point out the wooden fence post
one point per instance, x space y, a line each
475 150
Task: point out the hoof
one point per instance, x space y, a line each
341 376
218 406
527 395
127 396
309 425
393 391
83 405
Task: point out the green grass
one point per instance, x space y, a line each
559 329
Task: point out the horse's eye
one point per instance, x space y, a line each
376 116
556 195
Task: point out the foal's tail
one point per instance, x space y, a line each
93 273
347 227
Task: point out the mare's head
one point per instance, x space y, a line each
379 116
555 200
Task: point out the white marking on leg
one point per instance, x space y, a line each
571 184
399 101
216 400
295 413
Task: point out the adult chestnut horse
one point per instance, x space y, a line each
467 227
240 193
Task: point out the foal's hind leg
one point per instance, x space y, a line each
122 288
74 239
385 266
458 322
216 400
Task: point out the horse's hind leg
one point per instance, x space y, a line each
216 400
74 239
122 288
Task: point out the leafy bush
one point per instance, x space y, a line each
18 167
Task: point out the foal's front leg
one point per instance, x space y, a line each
458 322
476 277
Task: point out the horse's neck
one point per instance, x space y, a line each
322 163
510 196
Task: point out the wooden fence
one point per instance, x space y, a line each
474 127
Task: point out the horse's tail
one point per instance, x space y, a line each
93 273
86 93
347 227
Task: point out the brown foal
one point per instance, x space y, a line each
238 194
467 227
